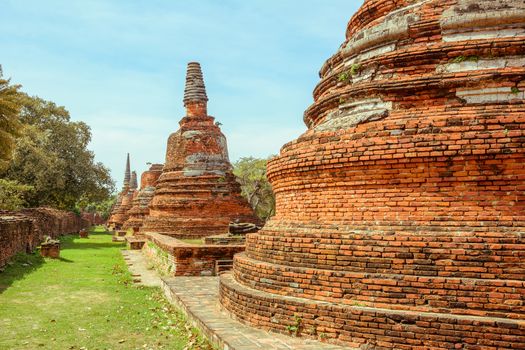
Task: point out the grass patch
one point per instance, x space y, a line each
86 300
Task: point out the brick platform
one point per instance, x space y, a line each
185 259
400 215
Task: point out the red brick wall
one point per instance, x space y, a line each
93 218
16 235
23 231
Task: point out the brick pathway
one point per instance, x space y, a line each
198 298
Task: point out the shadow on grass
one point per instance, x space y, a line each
82 246
74 242
65 260
21 265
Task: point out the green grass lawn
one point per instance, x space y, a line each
85 300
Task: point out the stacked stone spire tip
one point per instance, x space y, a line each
195 90
127 174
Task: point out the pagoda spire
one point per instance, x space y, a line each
127 173
195 98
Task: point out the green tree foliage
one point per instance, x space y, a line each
51 155
103 208
9 124
13 194
251 174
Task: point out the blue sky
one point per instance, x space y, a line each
119 65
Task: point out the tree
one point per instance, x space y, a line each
103 208
251 174
12 194
51 155
9 124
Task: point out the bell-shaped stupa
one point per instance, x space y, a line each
197 194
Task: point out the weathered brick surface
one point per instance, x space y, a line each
93 218
140 205
113 223
127 196
197 194
225 239
24 230
378 328
405 195
191 259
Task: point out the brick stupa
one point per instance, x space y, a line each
197 194
140 204
400 217
122 212
125 189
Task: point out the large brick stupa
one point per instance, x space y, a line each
400 220
197 194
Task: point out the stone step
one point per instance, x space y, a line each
482 297
369 326
486 255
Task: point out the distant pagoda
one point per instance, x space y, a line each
122 213
140 204
125 189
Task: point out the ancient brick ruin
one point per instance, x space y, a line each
122 213
140 205
94 219
119 213
400 212
186 259
196 194
24 230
